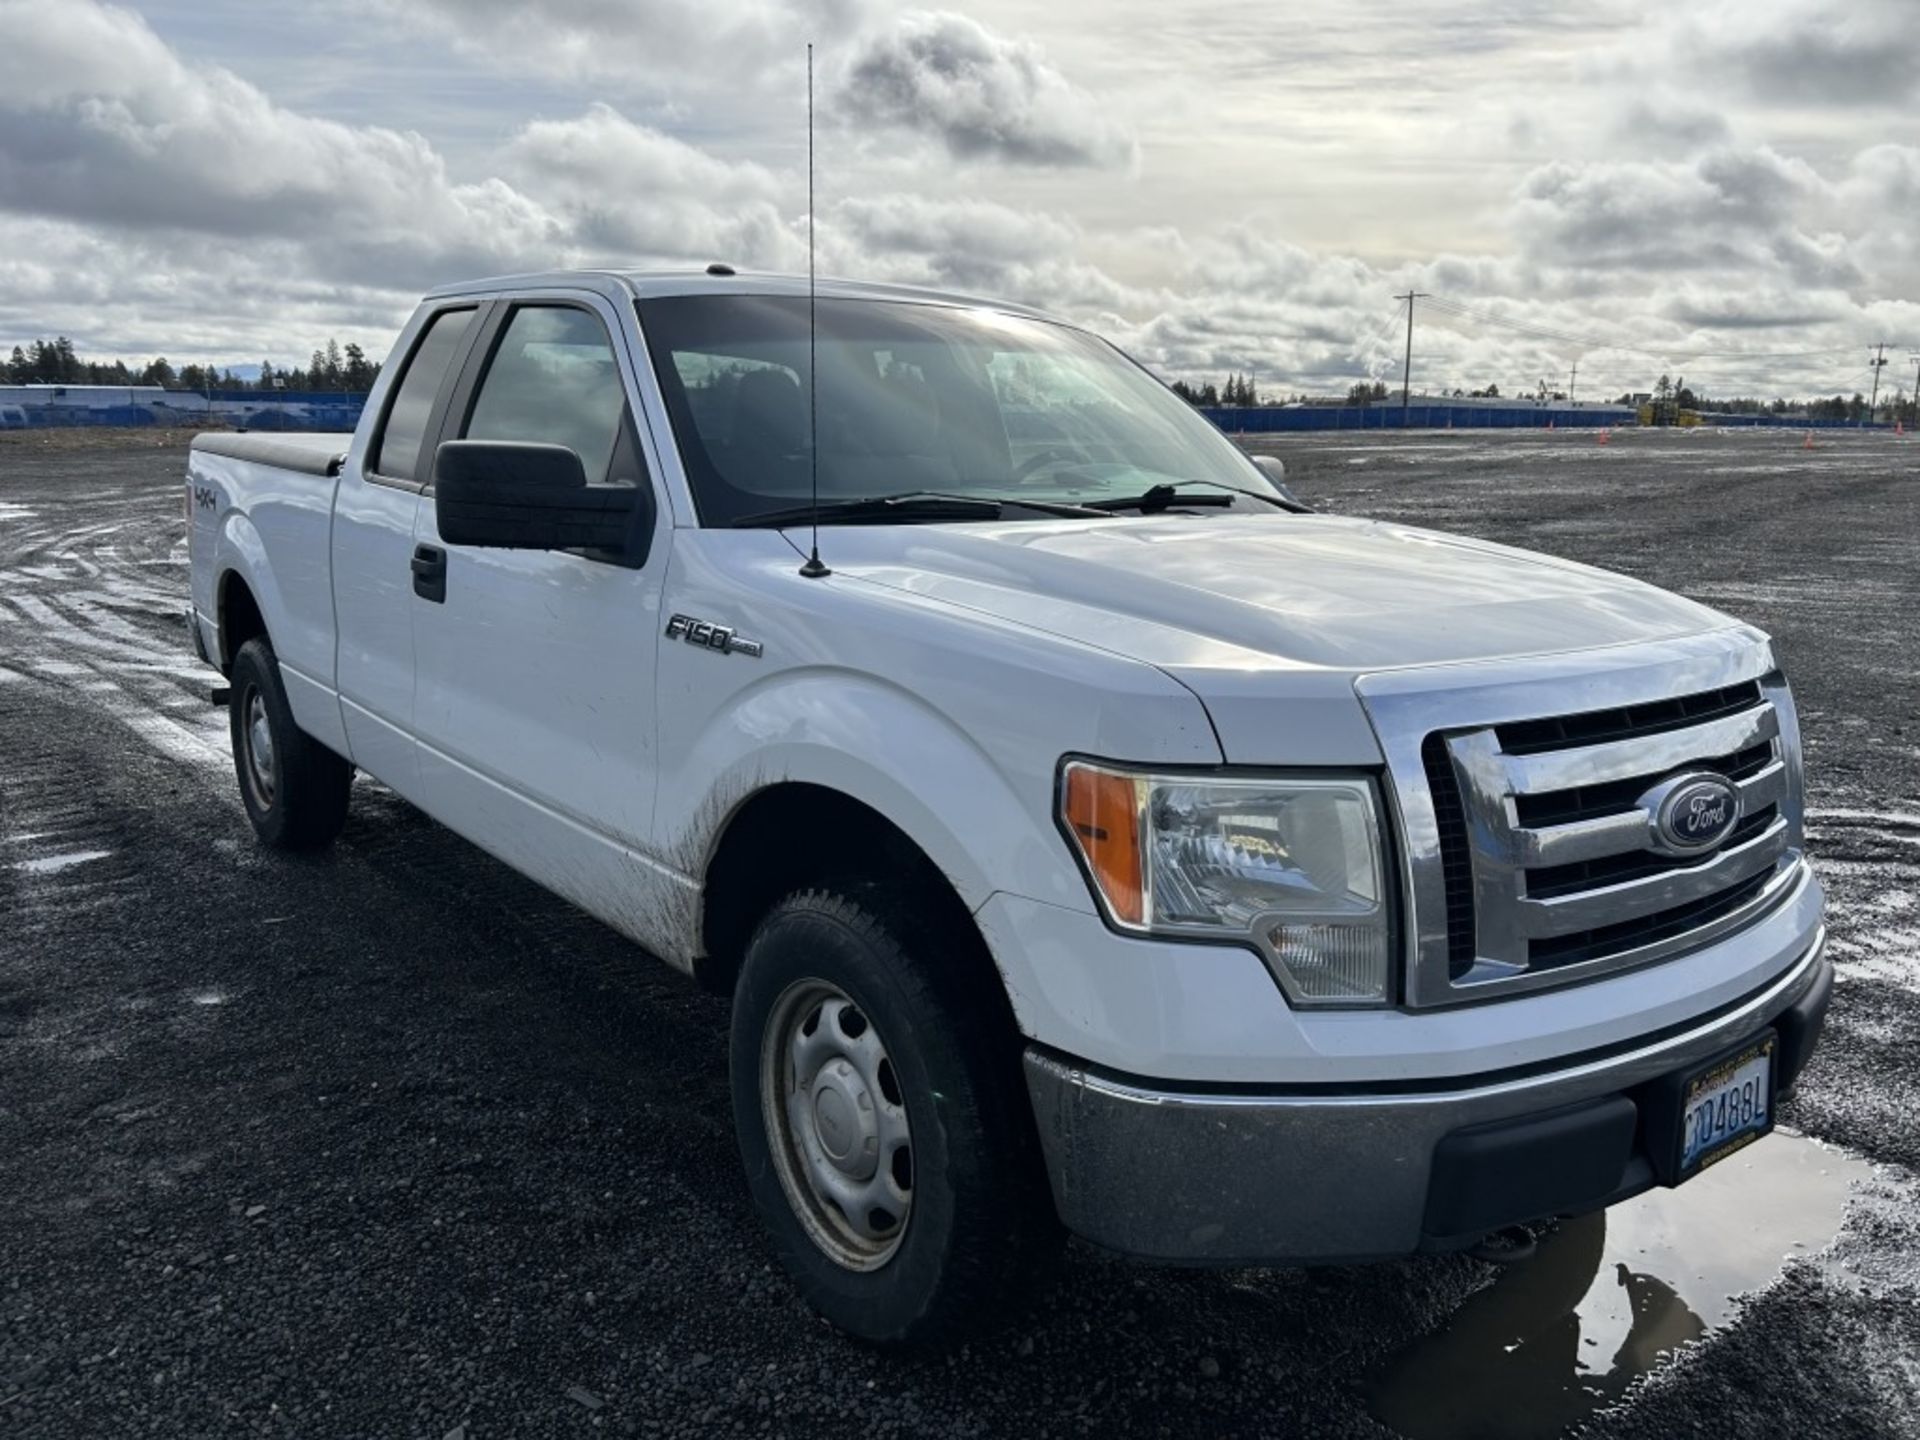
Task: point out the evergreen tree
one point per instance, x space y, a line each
359 372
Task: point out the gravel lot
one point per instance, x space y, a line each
390 1143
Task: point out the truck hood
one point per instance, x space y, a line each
1277 606
1304 590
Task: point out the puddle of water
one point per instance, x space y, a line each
210 997
1557 1337
53 864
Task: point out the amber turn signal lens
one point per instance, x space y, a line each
1103 815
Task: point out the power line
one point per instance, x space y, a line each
1406 374
1879 363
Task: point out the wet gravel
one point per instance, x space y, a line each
390 1143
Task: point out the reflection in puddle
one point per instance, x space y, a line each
1556 1337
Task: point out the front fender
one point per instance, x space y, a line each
876 743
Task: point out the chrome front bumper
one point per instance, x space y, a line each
1231 1177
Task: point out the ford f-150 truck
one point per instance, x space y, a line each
1090 836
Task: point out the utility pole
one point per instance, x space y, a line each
1879 363
1916 390
1571 379
1406 374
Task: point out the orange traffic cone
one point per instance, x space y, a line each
1605 437
1899 427
1549 424
1809 443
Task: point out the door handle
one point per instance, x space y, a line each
430 573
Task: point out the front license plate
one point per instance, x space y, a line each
1726 1106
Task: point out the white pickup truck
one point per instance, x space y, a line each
1089 836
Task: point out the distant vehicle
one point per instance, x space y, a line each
1085 833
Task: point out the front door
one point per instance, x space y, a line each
375 512
534 707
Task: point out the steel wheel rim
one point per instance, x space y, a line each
837 1125
256 745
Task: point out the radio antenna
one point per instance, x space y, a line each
813 569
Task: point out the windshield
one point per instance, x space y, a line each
915 398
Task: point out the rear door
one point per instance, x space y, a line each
375 508
535 702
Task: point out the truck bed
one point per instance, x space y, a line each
307 453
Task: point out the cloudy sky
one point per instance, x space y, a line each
1724 189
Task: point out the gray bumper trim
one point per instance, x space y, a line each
1247 1178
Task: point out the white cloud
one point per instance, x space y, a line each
980 95
1294 178
103 123
179 296
1722 210
1817 52
681 45
627 194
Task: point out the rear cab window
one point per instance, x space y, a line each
395 451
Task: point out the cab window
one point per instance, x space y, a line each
553 380
395 452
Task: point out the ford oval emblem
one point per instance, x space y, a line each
1691 813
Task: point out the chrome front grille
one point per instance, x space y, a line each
1530 858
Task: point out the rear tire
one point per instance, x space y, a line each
294 788
913 1080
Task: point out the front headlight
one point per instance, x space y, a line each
1293 865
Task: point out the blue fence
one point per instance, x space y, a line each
1264 420
245 409
332 411
289 410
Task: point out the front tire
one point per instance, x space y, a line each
883 1122
294 788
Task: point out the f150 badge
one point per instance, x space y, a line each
709 636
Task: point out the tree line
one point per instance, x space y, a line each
1239 391
334 367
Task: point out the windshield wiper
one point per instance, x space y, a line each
909 505
1156 498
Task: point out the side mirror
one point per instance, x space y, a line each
510 495
1275 471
